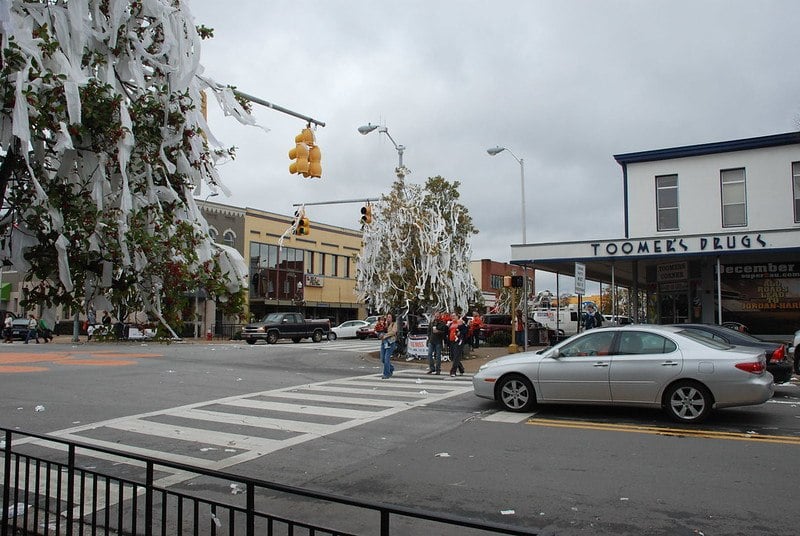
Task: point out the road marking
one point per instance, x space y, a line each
17 362
658 430
333 400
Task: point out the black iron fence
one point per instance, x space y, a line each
58 487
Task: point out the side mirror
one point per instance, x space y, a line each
554 353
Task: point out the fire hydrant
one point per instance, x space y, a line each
208 335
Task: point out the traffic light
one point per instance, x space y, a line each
517 281
299 154
314 162
366 214
303 226
306 155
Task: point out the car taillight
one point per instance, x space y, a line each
753 367
778 354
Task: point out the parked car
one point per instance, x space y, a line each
295 326
367 331
346 329
666 367
778 361
493 323
616 320
19 329
736 326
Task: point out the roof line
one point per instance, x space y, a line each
774 140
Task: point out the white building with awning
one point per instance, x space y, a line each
712 234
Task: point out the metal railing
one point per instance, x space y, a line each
80 489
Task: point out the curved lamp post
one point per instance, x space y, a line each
197 292
495 151
400 170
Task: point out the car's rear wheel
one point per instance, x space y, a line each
272 337
687 402
361 337
251 341
515 393
331 336
317 336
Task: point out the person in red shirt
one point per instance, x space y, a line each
475 329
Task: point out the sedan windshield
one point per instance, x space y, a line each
704 339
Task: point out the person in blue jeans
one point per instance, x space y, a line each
388 342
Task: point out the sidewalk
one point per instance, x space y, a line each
472 360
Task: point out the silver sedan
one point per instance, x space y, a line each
649 366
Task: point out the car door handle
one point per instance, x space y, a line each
669 364
601 364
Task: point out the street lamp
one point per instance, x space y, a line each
495 151
197 292
400 170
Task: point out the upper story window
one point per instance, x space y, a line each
796 190
229 239
734 199
667 202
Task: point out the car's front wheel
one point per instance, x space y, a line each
797 360
272 337
251 341
316 336
688 402
515 393
331 336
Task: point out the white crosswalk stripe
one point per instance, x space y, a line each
215 434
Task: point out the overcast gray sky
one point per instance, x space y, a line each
564 84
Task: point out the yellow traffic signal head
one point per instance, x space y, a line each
366 214
306 136
314 162
303 227
300 156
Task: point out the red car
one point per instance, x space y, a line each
367 332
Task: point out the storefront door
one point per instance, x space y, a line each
674 308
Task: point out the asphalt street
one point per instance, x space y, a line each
319 417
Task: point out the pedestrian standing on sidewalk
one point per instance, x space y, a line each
32 331
475 329
457 336
388 343
9 323
437 331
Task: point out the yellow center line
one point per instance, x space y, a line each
659 430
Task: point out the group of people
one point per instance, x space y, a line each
452 328
456 331
36 329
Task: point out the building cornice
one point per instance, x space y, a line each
687 151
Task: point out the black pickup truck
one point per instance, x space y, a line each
293 326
